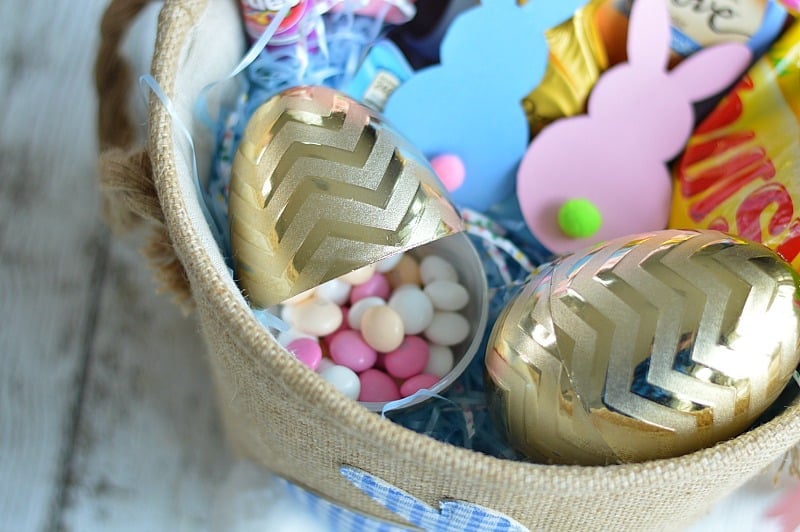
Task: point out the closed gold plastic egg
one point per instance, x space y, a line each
649 346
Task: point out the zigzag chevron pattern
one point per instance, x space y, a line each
320 187
646 347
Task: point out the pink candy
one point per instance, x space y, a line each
409 359
450 170
349 349
377 387
377 286
417 383
307 351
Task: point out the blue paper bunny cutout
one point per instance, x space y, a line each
470 105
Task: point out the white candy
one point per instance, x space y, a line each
343 379
447 328
388 264
447 295
290 335
286 314
435 268
405 287
335 290
359 276
414 308
319 317
440 361
358 310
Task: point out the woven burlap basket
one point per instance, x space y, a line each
285 417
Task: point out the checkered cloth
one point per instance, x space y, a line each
455 516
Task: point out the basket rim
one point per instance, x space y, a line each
175 22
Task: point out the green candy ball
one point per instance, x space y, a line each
579 218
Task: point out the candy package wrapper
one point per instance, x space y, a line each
739 171
577 59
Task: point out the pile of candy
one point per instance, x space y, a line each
382 332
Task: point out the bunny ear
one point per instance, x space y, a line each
649 34
549 13
709 71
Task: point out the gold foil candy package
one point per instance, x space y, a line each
578 55
648 346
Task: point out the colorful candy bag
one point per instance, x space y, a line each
740 170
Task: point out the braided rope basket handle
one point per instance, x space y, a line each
125 171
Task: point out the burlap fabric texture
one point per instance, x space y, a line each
284 416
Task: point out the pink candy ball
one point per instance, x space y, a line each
450 171
409 359
307 351
377 286
349 349
417 383
377 387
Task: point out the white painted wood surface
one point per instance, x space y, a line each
107 420
52 247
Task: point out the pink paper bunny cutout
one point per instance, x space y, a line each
609 166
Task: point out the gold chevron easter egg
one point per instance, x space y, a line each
320 187
649 346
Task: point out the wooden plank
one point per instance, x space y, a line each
151 452
52 247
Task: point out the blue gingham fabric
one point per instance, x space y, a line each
337 518
453 516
